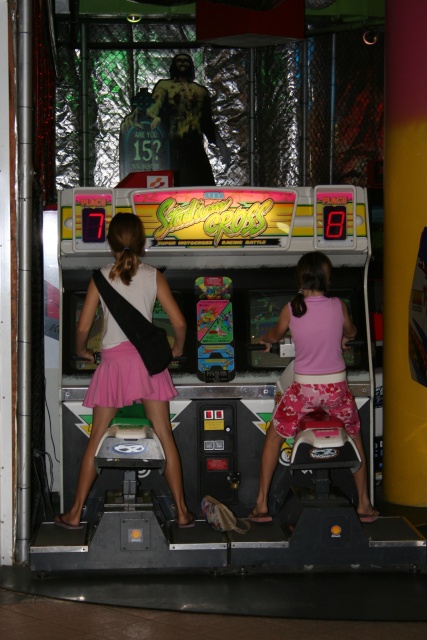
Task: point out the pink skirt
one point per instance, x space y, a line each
122 378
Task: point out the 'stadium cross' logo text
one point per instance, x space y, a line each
220 219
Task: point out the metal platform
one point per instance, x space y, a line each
128 541
144 540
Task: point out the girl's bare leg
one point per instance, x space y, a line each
269 459
102 417
364 505
157 412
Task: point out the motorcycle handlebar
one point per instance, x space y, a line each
275 347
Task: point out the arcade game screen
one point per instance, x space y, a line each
226 310
74 304
95 334
264 311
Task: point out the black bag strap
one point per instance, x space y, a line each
130 320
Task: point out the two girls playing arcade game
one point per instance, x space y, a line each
320 328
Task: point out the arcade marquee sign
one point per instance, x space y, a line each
214 218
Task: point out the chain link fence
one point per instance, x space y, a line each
303 113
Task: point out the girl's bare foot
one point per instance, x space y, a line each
369 514
63 522
189 522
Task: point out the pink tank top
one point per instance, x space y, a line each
317 336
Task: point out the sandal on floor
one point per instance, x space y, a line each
60 522
260 518
368 517
190 524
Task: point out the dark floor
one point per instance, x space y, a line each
336 604
27 617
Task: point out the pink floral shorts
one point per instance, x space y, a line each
299 399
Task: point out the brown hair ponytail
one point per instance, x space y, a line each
126 237
299 308
313 273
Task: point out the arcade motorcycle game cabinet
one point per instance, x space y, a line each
229 255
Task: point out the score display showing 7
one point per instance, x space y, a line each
93 225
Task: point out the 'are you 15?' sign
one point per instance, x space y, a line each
217 218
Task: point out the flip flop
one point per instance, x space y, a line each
190 524
60 522
260 518
368 518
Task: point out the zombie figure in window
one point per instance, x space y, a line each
184 108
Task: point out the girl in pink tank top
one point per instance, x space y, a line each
320 329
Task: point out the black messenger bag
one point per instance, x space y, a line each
150 341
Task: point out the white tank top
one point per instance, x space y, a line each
141 293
